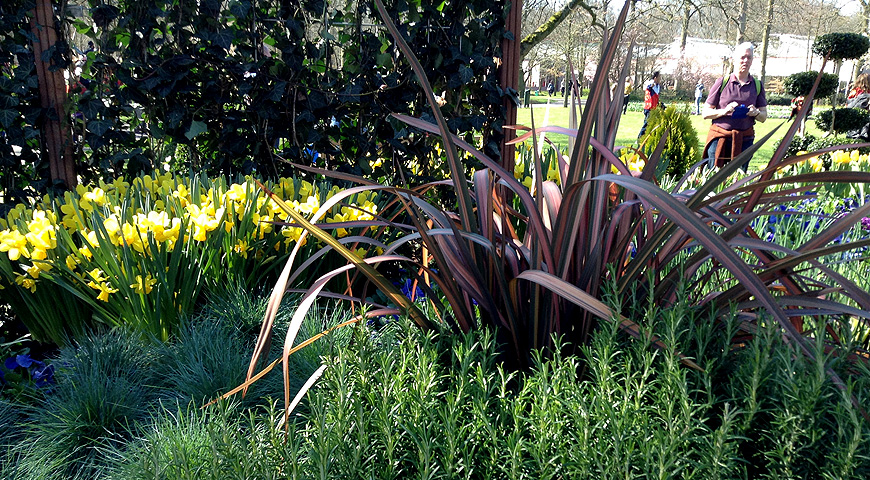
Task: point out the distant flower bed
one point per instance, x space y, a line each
141 252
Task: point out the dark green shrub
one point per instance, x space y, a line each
844 119
681 147
800 84
667 95
775 99
841 45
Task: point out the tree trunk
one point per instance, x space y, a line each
837 66
567 83
684 35
56 144
765 40
509 79
741 22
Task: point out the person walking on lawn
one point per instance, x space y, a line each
651 91
735 103
699 95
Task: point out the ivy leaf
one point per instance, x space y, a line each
8 101
7 116
240 10
99 127
317 101
30 132
465 74
82 27
91 108
223 38
196 127
278 91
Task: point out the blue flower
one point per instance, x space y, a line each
42 375
412 293
23 361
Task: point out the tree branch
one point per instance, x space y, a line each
538 36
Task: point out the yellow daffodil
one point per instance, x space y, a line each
132 237
292 234
72 261
143 285
284 189
32 270
104 288
92 198
113 228
306 189
311 204
97 275
86 252
338 218
241 247
204 220
519 169
14 243
70 216
840 157
26 282
182 194
553 173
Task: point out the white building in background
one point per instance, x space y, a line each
786 55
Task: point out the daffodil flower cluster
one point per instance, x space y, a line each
839 160
524 168
117 244
632 160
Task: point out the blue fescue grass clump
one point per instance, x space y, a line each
118 391
105 386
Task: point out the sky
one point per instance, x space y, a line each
848 7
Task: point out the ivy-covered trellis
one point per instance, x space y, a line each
235 86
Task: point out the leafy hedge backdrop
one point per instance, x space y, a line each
234 86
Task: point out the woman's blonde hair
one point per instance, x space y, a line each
863 82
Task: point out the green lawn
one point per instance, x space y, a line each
631 122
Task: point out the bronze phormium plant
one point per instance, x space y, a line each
530 263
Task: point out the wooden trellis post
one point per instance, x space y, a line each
509 77
57 144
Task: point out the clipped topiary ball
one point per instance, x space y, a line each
681 147
841 46
800 84
845 119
